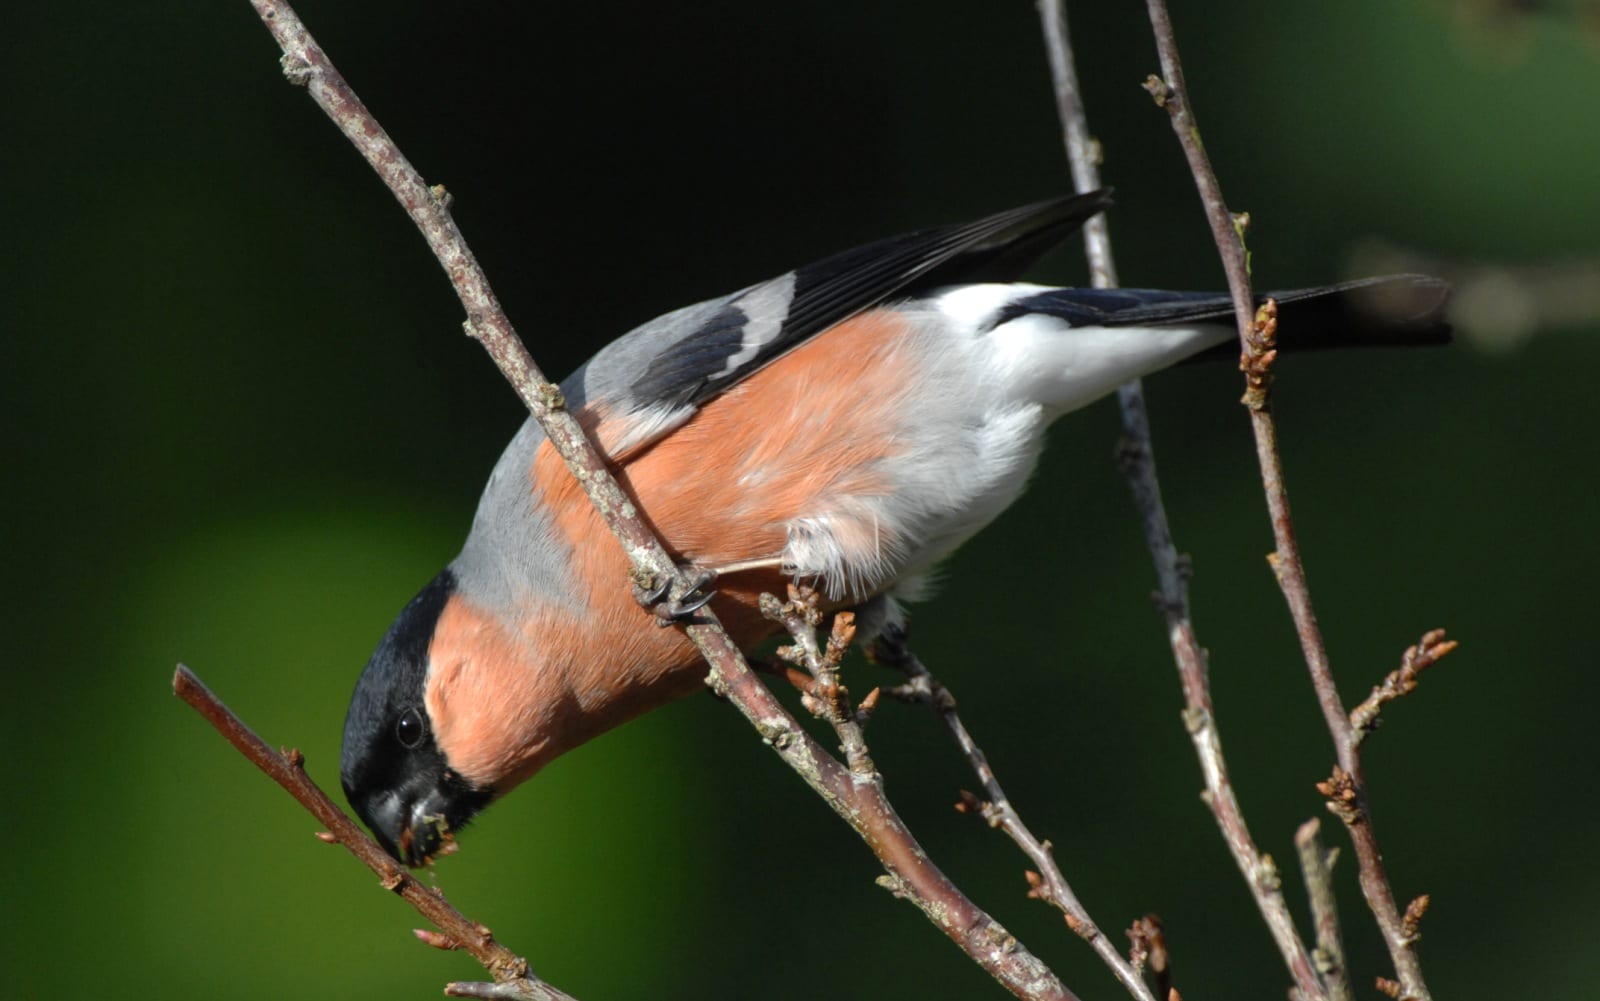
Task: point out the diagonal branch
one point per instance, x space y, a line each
287 769
861 803
1047 884
1137 459
1255 333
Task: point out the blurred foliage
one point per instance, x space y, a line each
244 427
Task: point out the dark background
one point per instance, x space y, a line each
244 427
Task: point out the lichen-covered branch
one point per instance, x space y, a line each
859 801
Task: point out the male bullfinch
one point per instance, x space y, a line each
849 423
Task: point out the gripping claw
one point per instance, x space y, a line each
653 595
673 612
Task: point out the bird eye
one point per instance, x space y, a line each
409 728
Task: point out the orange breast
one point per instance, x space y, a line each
789 442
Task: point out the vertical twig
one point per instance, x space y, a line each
825 696
860 802
1171 92
1316 865
1137 458
1083 150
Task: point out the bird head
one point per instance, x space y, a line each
394 772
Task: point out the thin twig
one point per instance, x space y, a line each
825 696
1428 651
287 768
1083 150
1148 946
1171 92
1316 865
1047 883
861 802
508 990
1137 458
307 65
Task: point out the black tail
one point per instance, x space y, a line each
1386 311
1368 312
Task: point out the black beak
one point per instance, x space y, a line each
416 830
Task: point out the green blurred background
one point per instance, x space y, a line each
244 427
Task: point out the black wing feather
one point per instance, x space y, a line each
684 375
830 291
837 287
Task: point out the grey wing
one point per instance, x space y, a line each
659 373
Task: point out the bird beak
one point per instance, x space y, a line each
415 833
385 815
427 833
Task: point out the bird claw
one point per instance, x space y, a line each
650 596
673 612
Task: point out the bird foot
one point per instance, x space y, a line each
673 611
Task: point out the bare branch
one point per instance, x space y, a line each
287 769
306 64
490 992
1316 865
1147 948
825 697
1047 884
1256 328
1083 150
829 700
1137 459
861 803
1432 648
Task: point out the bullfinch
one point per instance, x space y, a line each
848 423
